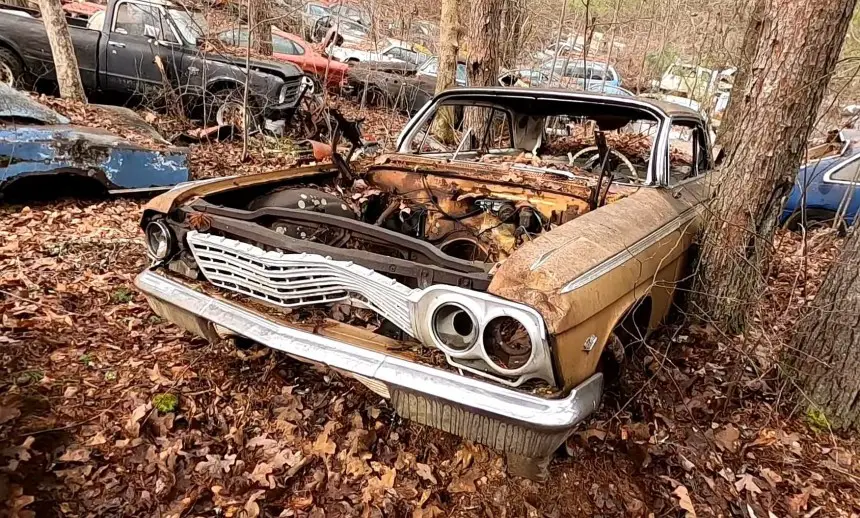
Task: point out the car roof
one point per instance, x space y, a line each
669 109
289 36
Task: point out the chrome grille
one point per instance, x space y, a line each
294 280
291 90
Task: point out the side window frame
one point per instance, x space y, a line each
164 21
852 163
701 143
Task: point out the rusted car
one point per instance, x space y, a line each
482 277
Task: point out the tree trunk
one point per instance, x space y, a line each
261 27
798 45
65 62
825 355
449 48
748 47
484 30
482 65
510 32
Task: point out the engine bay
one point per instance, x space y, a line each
456 217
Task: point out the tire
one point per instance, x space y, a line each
815 218
227 109
11 68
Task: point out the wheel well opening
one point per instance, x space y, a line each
633 326
52 187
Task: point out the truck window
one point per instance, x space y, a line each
140 20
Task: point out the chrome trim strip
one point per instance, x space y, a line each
631 251
828 175
477 396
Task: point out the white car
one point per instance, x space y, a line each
394 51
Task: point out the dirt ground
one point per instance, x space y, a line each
105 410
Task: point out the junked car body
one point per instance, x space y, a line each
41 149
827 188
474 277
391 51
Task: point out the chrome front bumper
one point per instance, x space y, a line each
526 427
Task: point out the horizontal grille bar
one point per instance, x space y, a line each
295 280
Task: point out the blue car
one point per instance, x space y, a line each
828 188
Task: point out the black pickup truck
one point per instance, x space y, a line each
135 48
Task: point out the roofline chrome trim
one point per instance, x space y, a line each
478 396
828 175
631 251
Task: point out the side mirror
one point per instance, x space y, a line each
150 32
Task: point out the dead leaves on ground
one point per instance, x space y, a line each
84 358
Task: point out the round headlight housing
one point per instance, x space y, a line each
507 343
454 327
159 240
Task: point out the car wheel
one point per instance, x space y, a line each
815 219
11 68
230 109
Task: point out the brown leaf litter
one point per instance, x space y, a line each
83 359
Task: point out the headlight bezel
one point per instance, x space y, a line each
164 249
484 308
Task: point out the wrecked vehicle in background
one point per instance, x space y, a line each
396 51
826 191
41 151
136 48
484 277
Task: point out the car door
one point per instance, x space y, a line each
140 37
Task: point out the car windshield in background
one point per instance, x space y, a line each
430 67
349 26
192 25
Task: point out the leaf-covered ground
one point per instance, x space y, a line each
105 410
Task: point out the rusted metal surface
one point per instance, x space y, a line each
168 201
18 106
97 154
643 239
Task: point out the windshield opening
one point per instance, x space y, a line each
571 139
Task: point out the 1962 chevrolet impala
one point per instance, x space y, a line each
476 277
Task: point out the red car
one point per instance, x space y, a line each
292 48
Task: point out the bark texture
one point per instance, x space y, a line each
511 31
484 32
796 50
745 59
65 62
261 27
825 357
449 49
